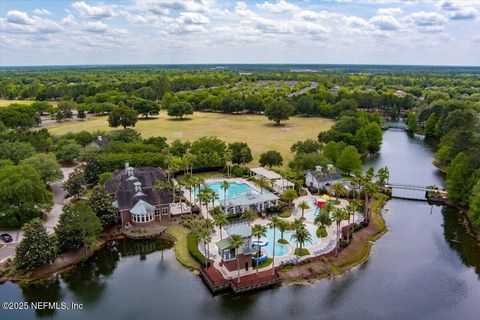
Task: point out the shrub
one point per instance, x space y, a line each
322 232
343 243
193 249
284 241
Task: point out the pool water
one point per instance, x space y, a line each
280 249
235 189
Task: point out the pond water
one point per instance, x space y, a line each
426 267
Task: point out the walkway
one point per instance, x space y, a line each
51 218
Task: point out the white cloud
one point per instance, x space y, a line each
281 6
192 18
41 12
464 14
385 23
427 19
19 17
93 12
96 27
389 11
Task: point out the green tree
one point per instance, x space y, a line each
77 227
146 107
81 114
289 195
349 160
16 151
180 109
76 184
259 231
412 122
23 195
241 152
283 226
236 241
220 221
273 224
374 134
47 167
332 150
339 190
430 125
474 212
37 248
67 150
278 111
304 206
122 116
338 215
92 170
101 204
263 183
225 185
301 235
457 175
271 158
361 140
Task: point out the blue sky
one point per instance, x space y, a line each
427 32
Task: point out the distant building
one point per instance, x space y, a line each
400 93
100 141
277 182
322 178
135 198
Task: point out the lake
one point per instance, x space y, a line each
426 267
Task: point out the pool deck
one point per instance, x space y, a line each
325 246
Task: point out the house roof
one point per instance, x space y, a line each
224 244
126 194
324 176
266 173
142 208
242 229
101 141
251 198
283 183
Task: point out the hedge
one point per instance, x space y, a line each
193 249
113 161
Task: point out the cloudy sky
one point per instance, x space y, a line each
58 32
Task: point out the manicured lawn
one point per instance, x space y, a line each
264 264
181 247
284 241
303 252
260 133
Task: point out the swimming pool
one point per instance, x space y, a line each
311 213
280 249
235 189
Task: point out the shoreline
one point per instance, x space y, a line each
357 253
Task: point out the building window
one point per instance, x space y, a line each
165 210
157 211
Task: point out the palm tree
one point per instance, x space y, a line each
351 208
274 222
248 215
259 231
204 235
383 174
220 222
339 190
236 241
203 196
225 185
301 236
228 160
369 189
263 183
339 214
283 226
323 219
213 196
304 206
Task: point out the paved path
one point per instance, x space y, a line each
52 217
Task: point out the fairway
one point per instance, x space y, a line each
256 130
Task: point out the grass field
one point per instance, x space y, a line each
260 133
181 248
4 102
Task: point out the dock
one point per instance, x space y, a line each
215 281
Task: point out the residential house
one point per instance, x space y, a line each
227 251
322 178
